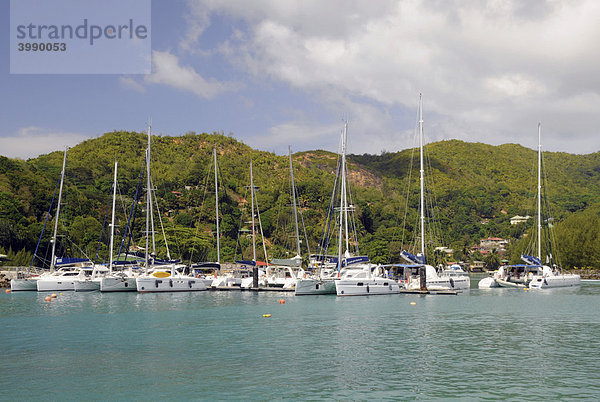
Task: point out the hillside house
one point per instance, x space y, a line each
515 220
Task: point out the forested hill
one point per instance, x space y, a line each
475 188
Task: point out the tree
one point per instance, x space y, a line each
492 260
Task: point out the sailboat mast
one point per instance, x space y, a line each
342 190
112 224
294 200
422 181
252 209
62 178
345 204
539 194
148 200
217 206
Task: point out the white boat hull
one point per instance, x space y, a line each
52 285
224 281
177 284
366 287
554 281
508 284
207 281
315 287
118 284
24 284
436 282
488 283
87 285
460 282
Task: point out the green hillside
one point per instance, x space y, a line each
473 190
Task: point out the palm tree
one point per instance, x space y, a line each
492 260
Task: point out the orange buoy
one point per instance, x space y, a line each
266 315
7 290
281 301
48 298
53 295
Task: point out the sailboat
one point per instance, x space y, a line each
534 274
322 281
356 276
285 272
100 272
27 281
257 279
63 271
161 276
433 281
208 272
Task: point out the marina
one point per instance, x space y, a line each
247 345
300 201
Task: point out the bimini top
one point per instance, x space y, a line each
69 261
530 260
206 265
415 259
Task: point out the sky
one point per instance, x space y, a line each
274 73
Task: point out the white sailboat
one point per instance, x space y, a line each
257 279
100 272
28 282
116 281
356 276
433 281
322 281
209 272
70 269
161 276
534 274
286 272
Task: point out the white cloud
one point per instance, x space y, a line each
166 70
29 142
485 66
298 135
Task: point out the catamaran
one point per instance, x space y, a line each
533 274
27 281
161 276
356 276
94 282
433 281
63 271
286 272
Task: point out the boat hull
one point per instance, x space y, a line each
315 287
554 281
118 284
487 283
508 284
87 285
49 285
366 287
154 285
459 282
24 284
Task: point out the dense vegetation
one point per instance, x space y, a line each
473 190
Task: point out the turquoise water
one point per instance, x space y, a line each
217 345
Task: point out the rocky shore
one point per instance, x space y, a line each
4 281
588 273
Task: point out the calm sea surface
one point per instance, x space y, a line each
497 343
